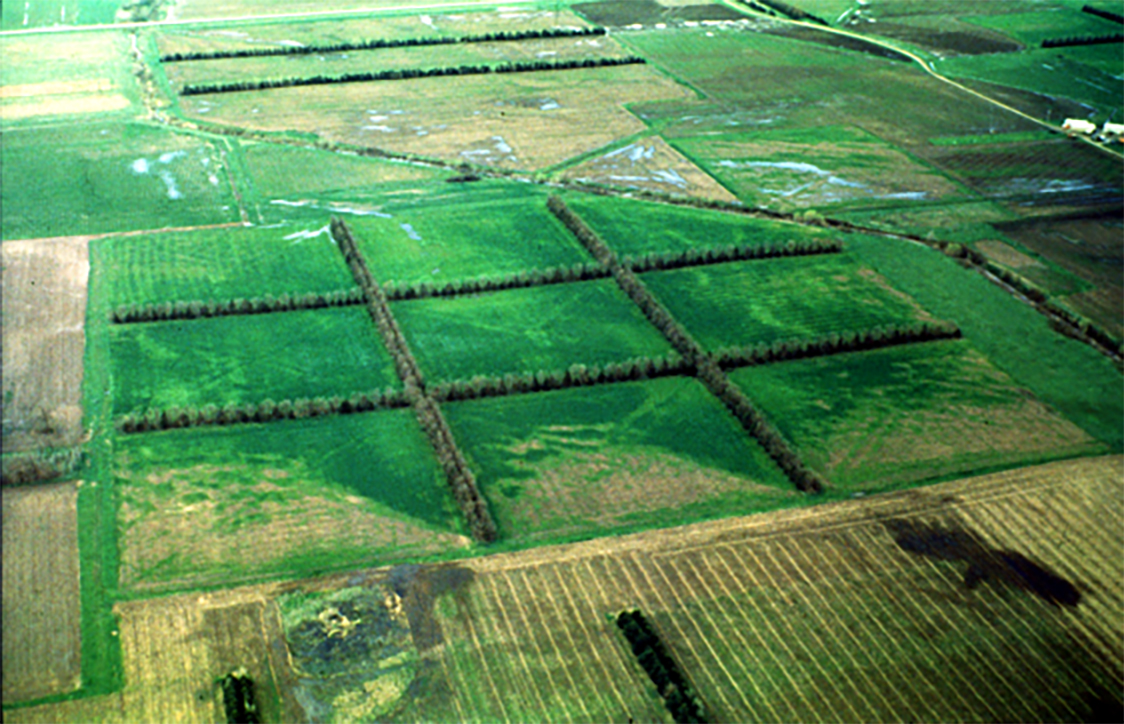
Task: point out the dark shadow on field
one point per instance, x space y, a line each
985 564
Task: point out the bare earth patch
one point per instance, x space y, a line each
650 164
1007 255
42 642
44 311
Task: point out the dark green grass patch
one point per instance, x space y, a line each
242 359
1068 375
755 302
289 498
223 264
526 330
873 420
636 227
587 461
440 242
85 179
1034 27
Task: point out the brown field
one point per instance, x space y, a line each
518 121
650 164
908 606
179 529
1007 255
42 641
44 309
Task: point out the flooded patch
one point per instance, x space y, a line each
985 564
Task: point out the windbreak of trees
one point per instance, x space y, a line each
658 261
863 341
409 73
706 369
452 461
1083 40
383 43
674 688
266 411
37 466
1114 17
793 12
535 277
131 313
577 375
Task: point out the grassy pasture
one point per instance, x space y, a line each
103 177
211 506
1032 28
480 230
207 9
515 121
281 172
221 264
755 302
816 167
1065 374
526 330
875 420
240 359
586 461
632 228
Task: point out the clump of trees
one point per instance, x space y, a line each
196 309
266 411
496 37
836 343
1083 40
678 694
409 73
238 700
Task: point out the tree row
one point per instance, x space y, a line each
164 311
577 375
383 43
706 369
836 343
266 411
460 478
1114 17
409 73
793 12
1083 40
674 688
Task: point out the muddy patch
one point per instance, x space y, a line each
985 564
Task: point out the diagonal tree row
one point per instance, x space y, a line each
459 476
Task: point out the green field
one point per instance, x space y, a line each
281 172
633 228
588 461
815 167
104 177
222 264
19 14
1069 376
1032 28
457 237
218 505
526 330
876 420
248 359
755 302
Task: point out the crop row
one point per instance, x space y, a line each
707 370
410 73
459 476
382 43
265 411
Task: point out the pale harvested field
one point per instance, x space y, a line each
652 165
44 311
518 121
42 613
816 615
